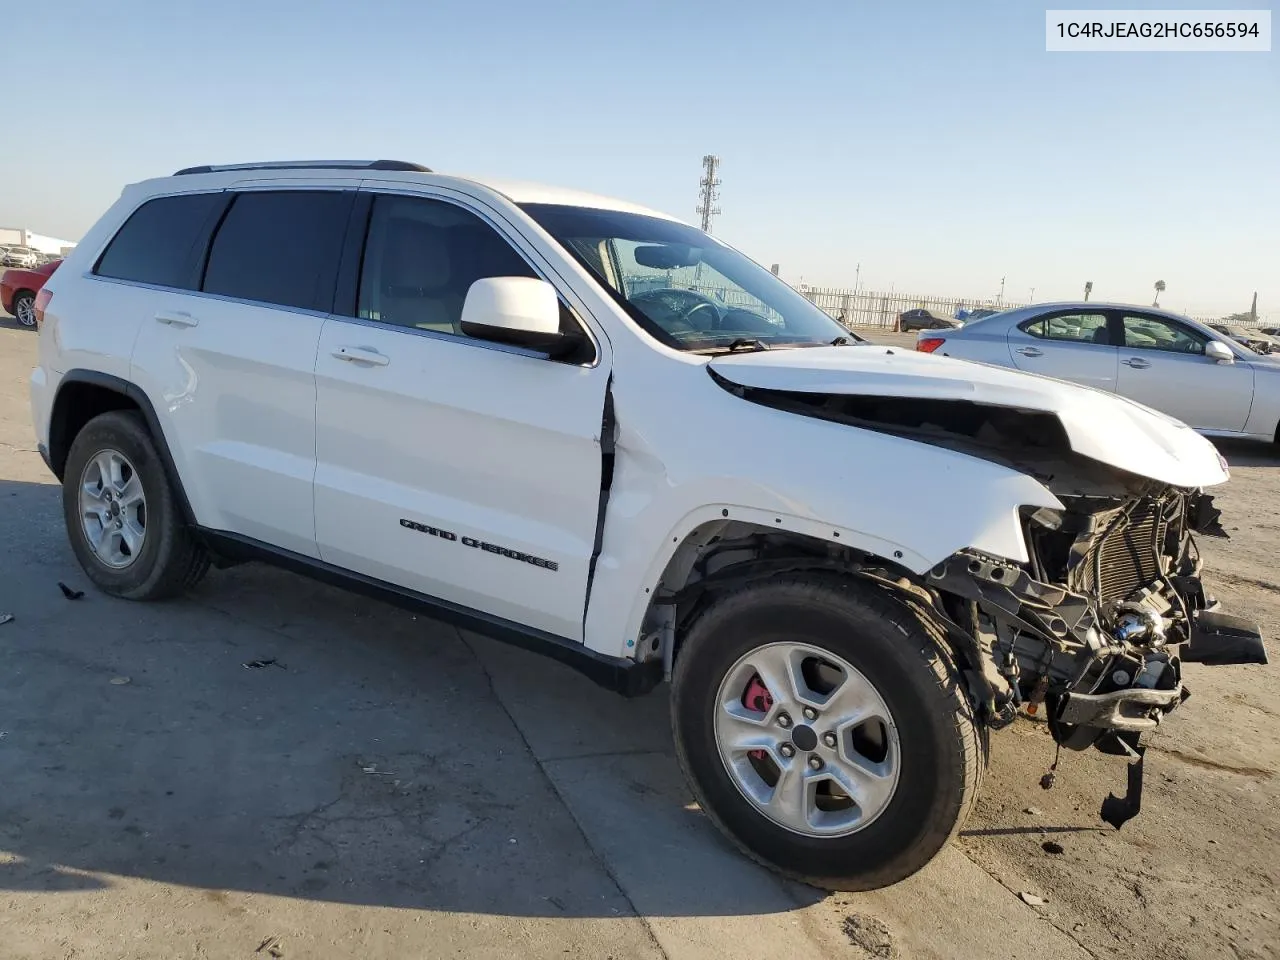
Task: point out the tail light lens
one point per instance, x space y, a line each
930 344
41 304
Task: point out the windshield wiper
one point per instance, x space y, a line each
742 343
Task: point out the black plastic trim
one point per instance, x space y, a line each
347 285
143 402
621 675
608 426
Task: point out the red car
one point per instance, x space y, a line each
18 289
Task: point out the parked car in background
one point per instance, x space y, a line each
21 257
980 312
1171 363
1256 340
922 319
18 289
1271 331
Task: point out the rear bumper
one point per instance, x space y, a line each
40 392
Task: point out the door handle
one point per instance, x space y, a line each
1137 363
1031 351
179 318
361 355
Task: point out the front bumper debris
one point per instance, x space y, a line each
1130 709
1218 639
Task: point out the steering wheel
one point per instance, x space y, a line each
679 306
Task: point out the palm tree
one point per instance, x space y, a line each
1159 290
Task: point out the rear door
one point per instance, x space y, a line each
459 469
230 368
1163 365
1071 345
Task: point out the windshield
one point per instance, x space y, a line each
684 288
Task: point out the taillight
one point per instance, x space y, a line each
929 344
42 303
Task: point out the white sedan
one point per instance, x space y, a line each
1161 360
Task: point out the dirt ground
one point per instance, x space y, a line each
392 788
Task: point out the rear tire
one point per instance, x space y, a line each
930 745
24 308
144 551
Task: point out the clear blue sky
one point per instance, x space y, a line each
935 143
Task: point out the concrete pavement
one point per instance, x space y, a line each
386 788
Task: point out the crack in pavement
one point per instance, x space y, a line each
1039 916
638 752
551 784
1256 773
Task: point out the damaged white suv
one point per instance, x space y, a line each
591 430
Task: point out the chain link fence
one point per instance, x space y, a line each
866 308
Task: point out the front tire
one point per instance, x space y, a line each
24 308
122 516
823 729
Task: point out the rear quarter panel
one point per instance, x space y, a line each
80 329
89 322
979 342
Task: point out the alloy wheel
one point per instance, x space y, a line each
807 739
113 509
25 310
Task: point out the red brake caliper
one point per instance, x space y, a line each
758 698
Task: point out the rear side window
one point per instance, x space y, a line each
160 242
1080 327
280 247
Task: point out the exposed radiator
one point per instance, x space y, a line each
1127 556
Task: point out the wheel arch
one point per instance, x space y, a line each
718 552
17 294
83 395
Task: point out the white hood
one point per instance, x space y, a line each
1099 425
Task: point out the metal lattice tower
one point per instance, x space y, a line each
708 195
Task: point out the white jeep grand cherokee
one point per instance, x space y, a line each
591 430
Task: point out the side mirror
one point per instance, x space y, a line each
520 311
1219 352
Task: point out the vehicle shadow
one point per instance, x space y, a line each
11 323
1248 453
273 735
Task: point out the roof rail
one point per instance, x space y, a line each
402 165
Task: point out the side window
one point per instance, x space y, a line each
1074 327
421 258
280 247
158 243
1157 333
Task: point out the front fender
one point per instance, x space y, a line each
906 501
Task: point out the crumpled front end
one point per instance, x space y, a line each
1094 629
